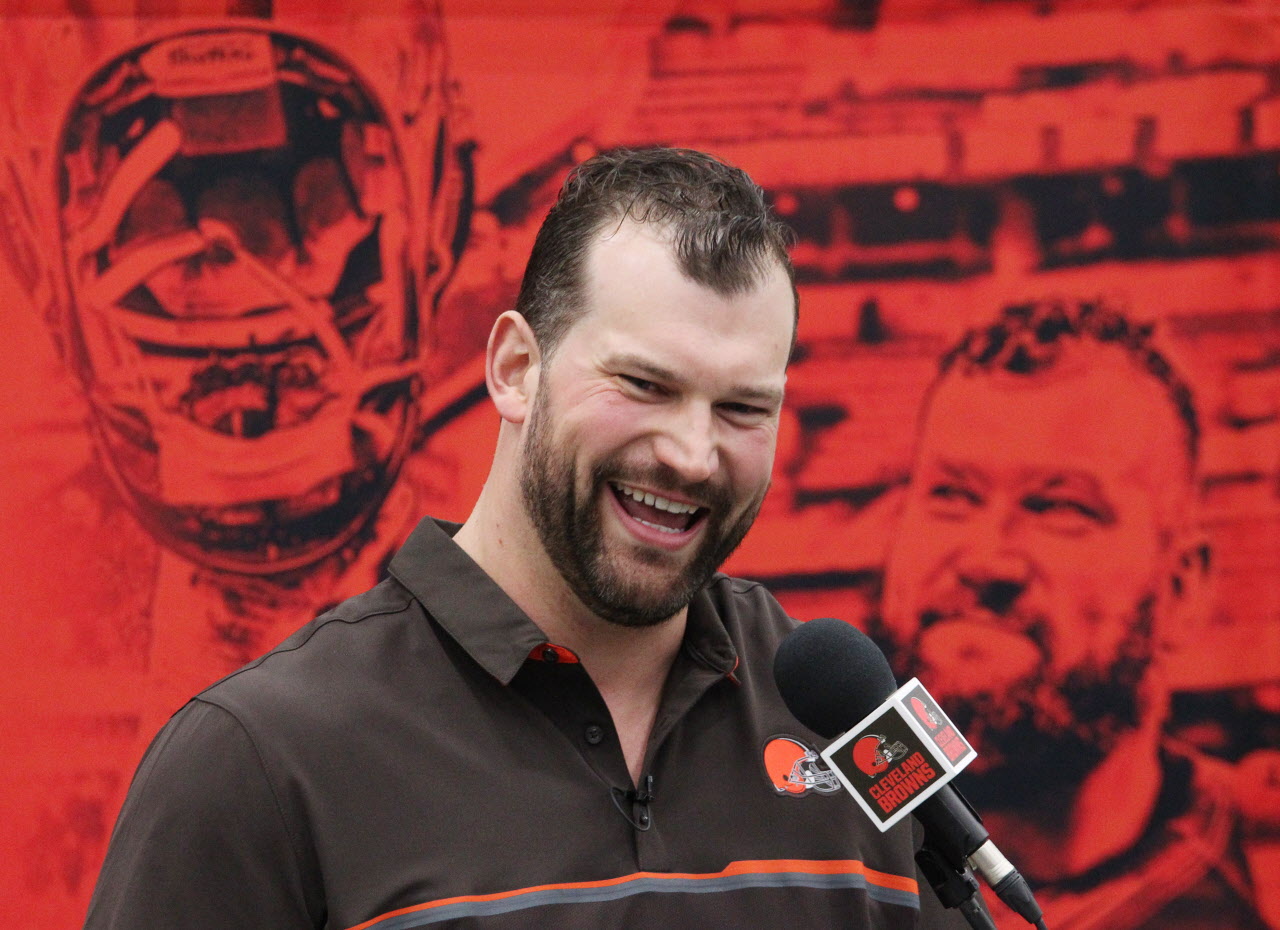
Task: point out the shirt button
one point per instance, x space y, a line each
549 654
595 734
643 817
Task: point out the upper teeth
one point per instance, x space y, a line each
654 500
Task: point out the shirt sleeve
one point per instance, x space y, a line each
201 841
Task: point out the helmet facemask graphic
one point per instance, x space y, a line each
237 228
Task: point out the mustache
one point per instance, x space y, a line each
1033 625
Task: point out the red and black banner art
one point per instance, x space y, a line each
250 253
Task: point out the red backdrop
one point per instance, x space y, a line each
936 158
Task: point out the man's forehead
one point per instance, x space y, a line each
632 272
620 238
1106 418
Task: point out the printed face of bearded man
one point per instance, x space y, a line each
1034 562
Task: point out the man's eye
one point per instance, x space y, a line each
640 384
745 410
954 494
952 501
1066 510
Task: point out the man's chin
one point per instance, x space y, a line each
638 592
978 660
638 610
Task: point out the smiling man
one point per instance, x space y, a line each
558 714
1046 560
635 449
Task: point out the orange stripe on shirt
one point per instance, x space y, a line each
743 867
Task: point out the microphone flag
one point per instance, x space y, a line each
899 755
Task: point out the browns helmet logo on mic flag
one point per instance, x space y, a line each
939 728
927 716
899 755
873 753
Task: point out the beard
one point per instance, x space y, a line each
641 594
1045 732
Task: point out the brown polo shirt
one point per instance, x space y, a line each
421 756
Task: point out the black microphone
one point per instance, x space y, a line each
831 675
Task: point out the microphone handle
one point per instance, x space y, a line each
955 889
955 831
952 826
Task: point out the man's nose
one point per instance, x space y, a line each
688 443
994 568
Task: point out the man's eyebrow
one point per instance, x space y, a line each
757 394
1033 480
637 363
761 394
1080 482
1053 479
963 471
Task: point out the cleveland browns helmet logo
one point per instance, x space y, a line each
927 716
873 753
795 769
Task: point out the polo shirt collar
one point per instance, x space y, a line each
706 640
488 625
464 600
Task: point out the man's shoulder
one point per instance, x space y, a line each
744 596
749 611
337 649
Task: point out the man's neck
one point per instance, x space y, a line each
629 665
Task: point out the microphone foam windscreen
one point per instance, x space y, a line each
831 675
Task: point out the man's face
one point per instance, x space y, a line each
1032 560
651 438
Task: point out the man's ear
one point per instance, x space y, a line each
1190 591
1191 571
512 366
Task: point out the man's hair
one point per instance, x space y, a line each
1029 338
724 236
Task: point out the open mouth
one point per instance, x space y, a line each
659 513
1005 656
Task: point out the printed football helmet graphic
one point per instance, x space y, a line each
795 769
926 716
253 242
873 753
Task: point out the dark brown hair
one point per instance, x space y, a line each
724 235
1029 337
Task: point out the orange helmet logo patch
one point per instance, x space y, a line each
795 769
